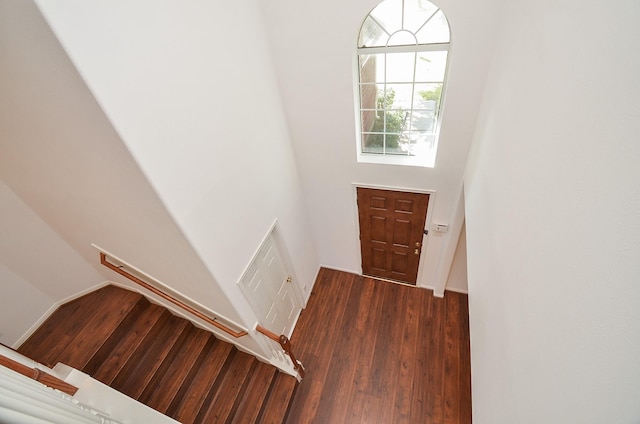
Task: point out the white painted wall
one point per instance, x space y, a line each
457 280
314 50
62 157
21 305
553 207
190 88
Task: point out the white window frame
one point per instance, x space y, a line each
426 160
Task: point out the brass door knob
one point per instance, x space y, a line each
416 252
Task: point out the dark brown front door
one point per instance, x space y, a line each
391 231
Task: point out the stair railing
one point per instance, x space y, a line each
171 299
38 375
285 343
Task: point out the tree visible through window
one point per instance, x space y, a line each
402 60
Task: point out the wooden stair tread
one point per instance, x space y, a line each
115 352
277 406
198 383
100 325
251 403
168 379
148 357
220 401
141 349
57 332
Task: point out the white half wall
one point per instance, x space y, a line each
552 209
314 47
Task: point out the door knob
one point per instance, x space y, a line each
417 244
416 252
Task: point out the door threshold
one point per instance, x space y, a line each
389 280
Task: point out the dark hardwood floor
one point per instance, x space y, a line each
378 352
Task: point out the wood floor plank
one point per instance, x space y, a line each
103 322
169 377
220 403
384 353
58 331
200 380
322 337
145 361
115 352
250 405
279 399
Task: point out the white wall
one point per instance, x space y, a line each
314 50
552 204
457 280
190 88
62 157
21 305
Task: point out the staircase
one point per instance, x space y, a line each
140 349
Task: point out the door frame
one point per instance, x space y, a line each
427 224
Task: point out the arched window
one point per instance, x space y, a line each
402 59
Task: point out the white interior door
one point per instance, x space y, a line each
269 289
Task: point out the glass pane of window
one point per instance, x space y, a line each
372 34
423 120
369 96
400 67
394 121
416 13
430 66
389 15
427 96
372 143
399 96
402 38
372 68
370 121
435 31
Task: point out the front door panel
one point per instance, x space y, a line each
391 231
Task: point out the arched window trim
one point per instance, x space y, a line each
394 156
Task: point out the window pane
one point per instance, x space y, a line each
372 68
368 96
372 143
430 66
416 13
394 121
435 31
402 38
423 120
372 35
427 96
400 67
399 96
370 121
389 15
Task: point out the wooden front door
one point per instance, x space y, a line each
391 230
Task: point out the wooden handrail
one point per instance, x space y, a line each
193 311
39 375
285 343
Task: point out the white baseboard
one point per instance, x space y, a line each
455 290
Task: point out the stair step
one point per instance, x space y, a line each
167 381
148 357
57 332
221 398
251 403
276 408
107 363
201 378
141 349
99 326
